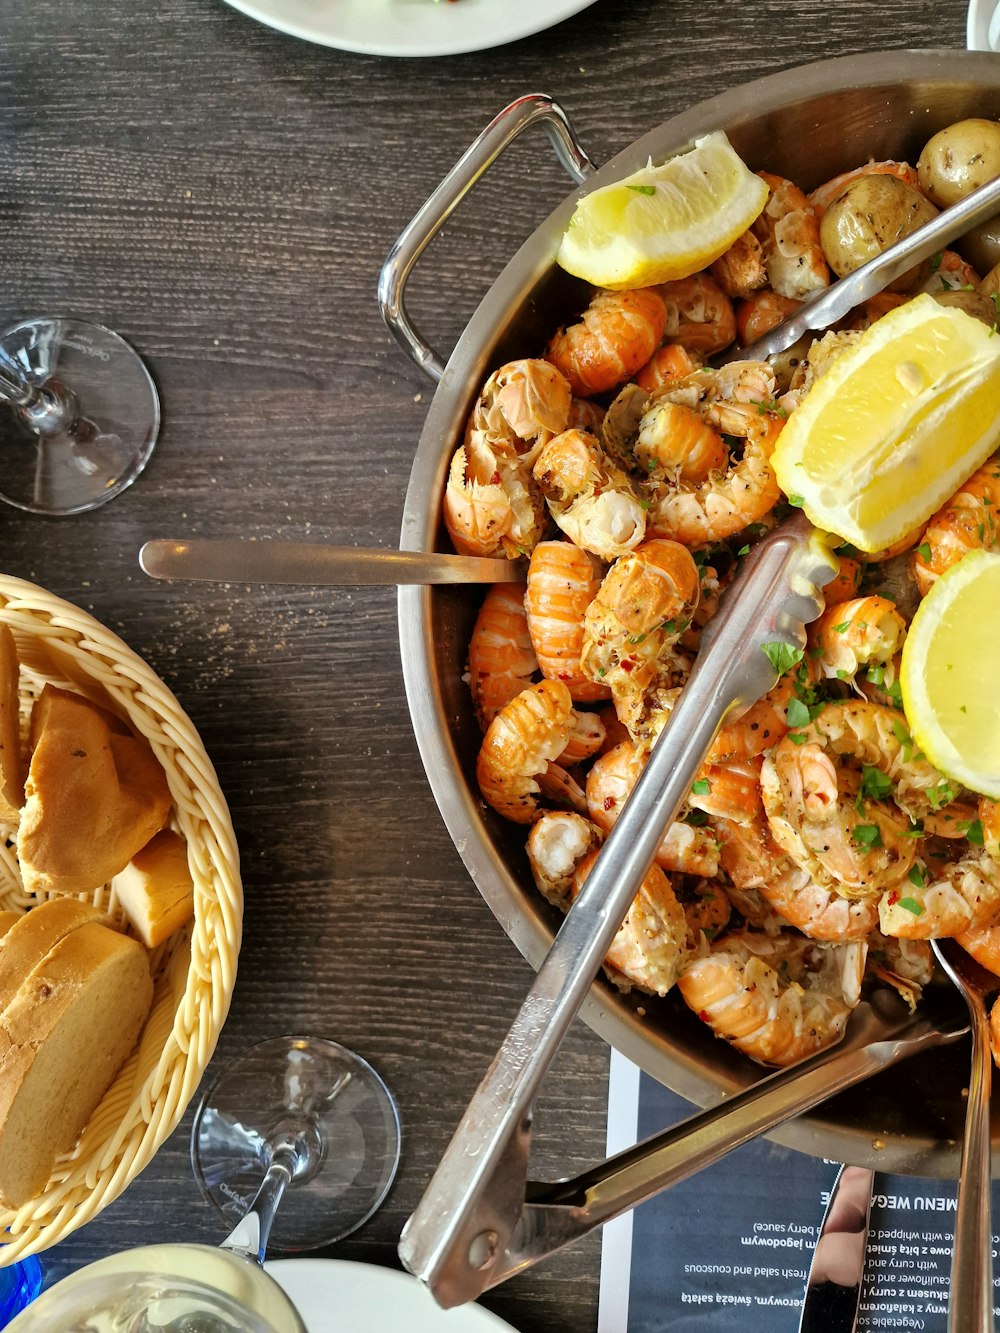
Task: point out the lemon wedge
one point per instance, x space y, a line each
947 676
664 222
895 426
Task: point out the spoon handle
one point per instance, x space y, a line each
970 1309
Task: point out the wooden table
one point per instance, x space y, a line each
224 196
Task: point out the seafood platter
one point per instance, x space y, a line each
609 438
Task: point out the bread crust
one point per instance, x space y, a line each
11 761
93 797
63 1037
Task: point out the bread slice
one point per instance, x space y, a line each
33 935
11 762
63 1038
8 919
93 797
155 890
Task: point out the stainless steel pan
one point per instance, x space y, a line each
808 124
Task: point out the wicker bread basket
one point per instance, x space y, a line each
193 972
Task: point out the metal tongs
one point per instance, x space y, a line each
480 1221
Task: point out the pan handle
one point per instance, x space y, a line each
477 158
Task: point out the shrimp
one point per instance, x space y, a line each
844 586
651 942
822 818
665 367
777 1000
557 843
856 634
585 414
753 860
616 335
676 440
699 314
586 739
685 848
983 944
951 273
954 899
906 965
516 759
761 726
724 504
740 271
969 521
761 313
645 602
728 792
823 196
789 234
501 657
563 580
492 505
871 311
521 406
589 496
706 907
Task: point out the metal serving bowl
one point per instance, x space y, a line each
807 124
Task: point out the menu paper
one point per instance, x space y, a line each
730 1247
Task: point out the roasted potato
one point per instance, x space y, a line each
973 303
958 159
981 245
871 214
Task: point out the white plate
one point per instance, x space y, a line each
410 27
977 32
367 1297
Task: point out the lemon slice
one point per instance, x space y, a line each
895 426
664 222
948 673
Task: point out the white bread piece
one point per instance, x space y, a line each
93 796
30 939
155 890
63 1038
11 762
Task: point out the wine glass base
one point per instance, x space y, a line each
90 459
262 1091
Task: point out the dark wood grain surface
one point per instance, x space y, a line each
224 196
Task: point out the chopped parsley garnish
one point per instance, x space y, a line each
912 905
643 189
701 788
782 656
797 713
867 835
875 783
917 877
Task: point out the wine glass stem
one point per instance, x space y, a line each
249 1237
46 408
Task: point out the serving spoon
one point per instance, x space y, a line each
970 1308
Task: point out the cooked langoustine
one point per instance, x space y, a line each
677 441
685 848
563 579
831 822
492 504
665 367
557 843
521 406
501 657
777 1000
517 759
740 271
762 312
852 635
725 503
651 943
589 496
643 605
699 314
753 860
615 336
788 230
970 520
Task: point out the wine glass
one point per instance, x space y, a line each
79 415
300 1121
